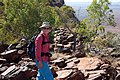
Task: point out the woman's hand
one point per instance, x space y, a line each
40 64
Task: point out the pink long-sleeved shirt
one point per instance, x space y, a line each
41 48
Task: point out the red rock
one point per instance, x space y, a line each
70 65
60 62
2 61
8 70
10 55
63 74
89 63
77 75
30 73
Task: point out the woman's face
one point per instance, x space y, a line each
46 30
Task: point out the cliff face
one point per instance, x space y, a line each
58 3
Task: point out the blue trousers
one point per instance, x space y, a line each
44 73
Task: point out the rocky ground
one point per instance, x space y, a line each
65 63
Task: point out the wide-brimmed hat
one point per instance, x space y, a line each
45 24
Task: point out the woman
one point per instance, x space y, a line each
42 53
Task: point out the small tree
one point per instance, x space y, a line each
23 18
99 14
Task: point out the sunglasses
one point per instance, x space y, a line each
46 28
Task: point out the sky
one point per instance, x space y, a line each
88 0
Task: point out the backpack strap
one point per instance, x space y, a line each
43 41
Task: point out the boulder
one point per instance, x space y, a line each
64 42
117 77
22 44
63 74
3 68
70 38
21 52
87 63
66 50
19 76
70 65
2 61
30 73
60 62
10 55
112 72
70 75
79 54
5 73
114 54
77 75
3 47
95 75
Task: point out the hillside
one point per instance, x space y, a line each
80 9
